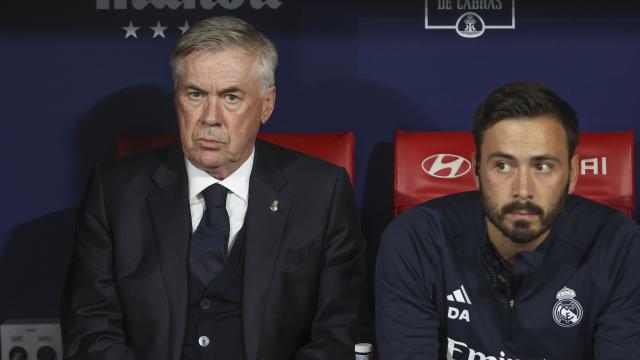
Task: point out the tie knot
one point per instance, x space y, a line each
215 196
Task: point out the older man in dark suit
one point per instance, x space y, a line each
221 246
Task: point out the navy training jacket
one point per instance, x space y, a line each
435 300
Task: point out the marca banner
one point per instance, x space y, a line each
158 29
184 4
138 19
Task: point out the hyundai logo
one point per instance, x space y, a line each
446 166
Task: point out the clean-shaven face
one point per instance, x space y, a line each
220 109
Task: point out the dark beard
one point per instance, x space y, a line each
521 233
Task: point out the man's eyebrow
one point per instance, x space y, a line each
194 87
500 154
545 157
230 89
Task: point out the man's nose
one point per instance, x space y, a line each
523 186
211 112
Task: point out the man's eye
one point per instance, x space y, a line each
231 98
503 167
194 94
543 167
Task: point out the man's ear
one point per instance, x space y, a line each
268 104
573 173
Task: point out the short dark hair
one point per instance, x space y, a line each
524 101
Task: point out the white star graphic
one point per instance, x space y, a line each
158 30
185 27
131 30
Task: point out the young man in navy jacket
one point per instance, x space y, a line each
519 269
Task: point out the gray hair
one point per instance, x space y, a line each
223 33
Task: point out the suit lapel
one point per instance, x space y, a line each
265 220
170 219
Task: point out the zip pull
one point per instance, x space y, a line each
511 303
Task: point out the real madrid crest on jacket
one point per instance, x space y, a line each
567 311
576 297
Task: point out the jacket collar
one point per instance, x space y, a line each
265 221
170 217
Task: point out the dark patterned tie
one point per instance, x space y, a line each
208 251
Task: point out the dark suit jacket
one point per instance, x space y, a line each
304 290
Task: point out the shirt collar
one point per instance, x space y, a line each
507 277
237 182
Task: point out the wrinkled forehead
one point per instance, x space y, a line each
234 63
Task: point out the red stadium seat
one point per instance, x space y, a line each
134 143
433 164
337 147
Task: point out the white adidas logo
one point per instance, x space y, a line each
459 296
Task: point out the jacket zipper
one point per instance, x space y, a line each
512 302
512 305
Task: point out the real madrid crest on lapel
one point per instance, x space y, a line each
567 312
274 205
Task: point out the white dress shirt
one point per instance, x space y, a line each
237 198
